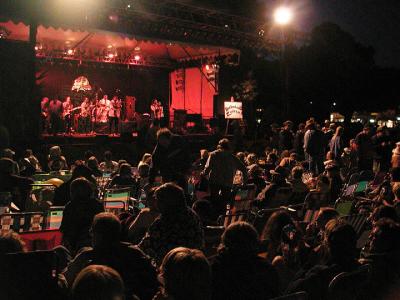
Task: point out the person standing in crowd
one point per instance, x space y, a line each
18 186
336 144
298 143
286 136
56 160
382 150
314 147
365 149
55 112
221 168
10 154
170 158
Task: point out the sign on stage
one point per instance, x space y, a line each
233 110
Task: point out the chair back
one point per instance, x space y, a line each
367 175
349 285
243 197
294 296
354 178
54 217
22 222
358 221
115 207
118 195
281 197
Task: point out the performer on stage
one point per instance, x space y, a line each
84 116
114 114
67 109
44 107
55 112
104 107
157 110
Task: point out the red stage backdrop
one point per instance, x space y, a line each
190 90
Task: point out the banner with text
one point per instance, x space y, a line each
233 110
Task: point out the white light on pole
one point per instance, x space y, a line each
283 16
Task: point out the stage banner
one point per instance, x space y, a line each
233 110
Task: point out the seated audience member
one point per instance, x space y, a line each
271 162
203 209
251 160
146 159
238 272
382 254
384 212
341 244
265 198
272 233
56 161
108 165
98 282
255 175
315 229
62 194
88 154
185 274
242 157
93 165
135 268
26 169
32 159
320 196
11 242
8 153
18 186
138 227
335 181
294 255
124 177
177 226
300 189
289 162
78 215
221 168
396 156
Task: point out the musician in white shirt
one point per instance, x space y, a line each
114 114
104 107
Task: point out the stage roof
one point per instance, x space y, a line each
112 46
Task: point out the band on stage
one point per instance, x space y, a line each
85 118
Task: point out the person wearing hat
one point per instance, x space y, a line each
17 185
396 156
382 150
8 153
286 136
365 149
314 148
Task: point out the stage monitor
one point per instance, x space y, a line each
233 110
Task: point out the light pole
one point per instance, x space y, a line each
283 16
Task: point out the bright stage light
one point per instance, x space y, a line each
137 57
207 67
110 55
70 52
283 16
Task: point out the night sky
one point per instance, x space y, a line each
373 22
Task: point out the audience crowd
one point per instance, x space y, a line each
316 213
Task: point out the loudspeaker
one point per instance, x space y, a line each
180 117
